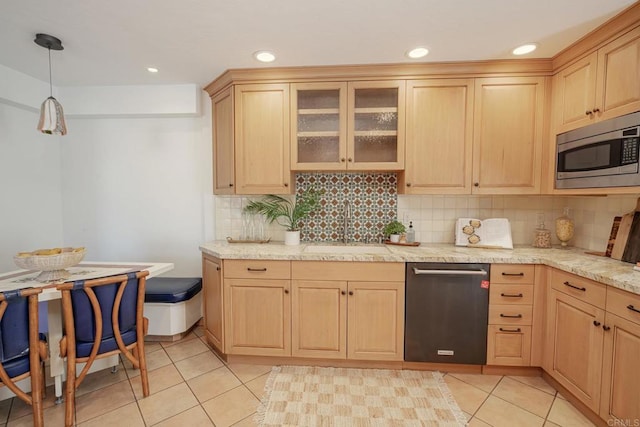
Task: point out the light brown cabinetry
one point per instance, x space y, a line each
257 307
213 301
575 315
223 142
347 126
599 86
348 314
510 314
262 139
439 135
508 135
620 374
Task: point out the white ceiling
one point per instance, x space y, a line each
193 41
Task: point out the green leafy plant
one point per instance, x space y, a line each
284 211
394 227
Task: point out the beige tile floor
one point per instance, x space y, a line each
191 386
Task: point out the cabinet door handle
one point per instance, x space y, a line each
511 295
217 268
350 159
512 274
256 269
588 112
510 330
342 159
632 308
476 184
511 316
574 287
343 293
606 328
230 185
286 184
350 292
286 291
408 184
596 323
596 110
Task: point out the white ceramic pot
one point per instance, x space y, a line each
292 238
395 238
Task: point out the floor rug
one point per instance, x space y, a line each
314 396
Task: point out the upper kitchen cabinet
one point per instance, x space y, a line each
348 126
439 134
508 135
599 86
223 163
261 114
319 126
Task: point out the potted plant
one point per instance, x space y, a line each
394 230
286 212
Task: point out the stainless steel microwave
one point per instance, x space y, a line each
603 154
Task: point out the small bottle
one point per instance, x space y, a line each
411 233
541 236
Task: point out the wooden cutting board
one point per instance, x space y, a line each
632 248
612 236
624 231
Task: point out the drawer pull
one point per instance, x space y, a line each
512 274
256 269
511 295
574 287
510 330
511 316
632 308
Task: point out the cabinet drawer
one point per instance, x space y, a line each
511 314
350 271
511 294
512 273
623 304
509 345
583 289
257 269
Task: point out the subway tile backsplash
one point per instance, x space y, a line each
374 202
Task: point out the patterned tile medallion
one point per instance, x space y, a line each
371 198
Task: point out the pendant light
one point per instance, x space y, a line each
51 114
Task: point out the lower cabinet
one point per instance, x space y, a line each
620 401
575 336
257 317
348 319
213 303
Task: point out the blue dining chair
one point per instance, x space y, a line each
21 350
102 317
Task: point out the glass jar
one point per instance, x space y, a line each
541 236
564 228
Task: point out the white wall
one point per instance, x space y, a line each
138 189
30 202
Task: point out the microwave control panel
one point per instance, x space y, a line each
629 150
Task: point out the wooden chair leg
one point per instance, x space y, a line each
36 397
142 362
70 391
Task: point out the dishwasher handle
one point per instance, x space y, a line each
480 272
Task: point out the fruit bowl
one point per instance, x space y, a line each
51 262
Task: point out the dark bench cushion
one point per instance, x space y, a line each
171 290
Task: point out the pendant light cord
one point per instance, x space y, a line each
50 85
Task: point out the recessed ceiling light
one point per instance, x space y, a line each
525 48
152 70
418 52
264 56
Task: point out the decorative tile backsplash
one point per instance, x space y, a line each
367 200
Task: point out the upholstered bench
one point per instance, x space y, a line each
173 306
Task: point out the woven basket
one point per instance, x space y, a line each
52 267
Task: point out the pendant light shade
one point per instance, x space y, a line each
51 113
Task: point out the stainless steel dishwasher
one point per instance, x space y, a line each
446 313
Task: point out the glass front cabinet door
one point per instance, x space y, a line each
348 126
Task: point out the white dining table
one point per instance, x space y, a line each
85 270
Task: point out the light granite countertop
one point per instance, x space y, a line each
574 260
